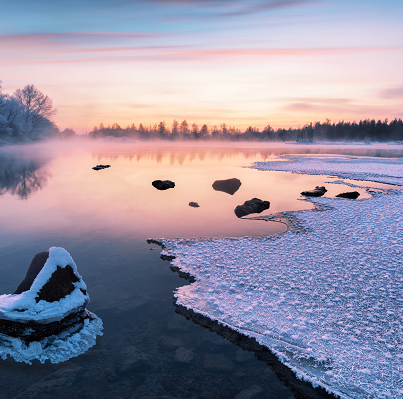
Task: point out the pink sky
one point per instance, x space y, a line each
283 63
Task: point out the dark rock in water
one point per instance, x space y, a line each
349 194
154 241
31 315
167 257
184 275
229 186
34 268
163 184
33 331
59 285
317 192
194 204
255 205
100 167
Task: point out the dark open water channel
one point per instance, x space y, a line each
50 196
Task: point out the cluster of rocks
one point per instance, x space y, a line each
100 167
255 205
229 186
318 191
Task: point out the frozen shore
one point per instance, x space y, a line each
326 299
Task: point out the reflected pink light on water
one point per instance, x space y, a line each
121 201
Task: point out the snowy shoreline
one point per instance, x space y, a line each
325 301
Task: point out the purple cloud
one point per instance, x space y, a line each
397 92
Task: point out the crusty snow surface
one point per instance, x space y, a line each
327 300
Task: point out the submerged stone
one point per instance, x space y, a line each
255 205
349 194
163 184
317 192
229 186
46 318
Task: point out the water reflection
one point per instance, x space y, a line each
21 177
120 201
182 153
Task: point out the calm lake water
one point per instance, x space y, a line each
50 196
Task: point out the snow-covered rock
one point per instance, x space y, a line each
46 317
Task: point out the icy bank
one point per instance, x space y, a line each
382 170
47 319
328 300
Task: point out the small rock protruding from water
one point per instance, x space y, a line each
255 205
100 167
229 186
317 192
349 194
163 184
194 204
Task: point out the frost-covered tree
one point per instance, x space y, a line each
25 115
38 110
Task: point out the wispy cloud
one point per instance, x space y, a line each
228 8
396 92
276 51
332 106
117 47
52 37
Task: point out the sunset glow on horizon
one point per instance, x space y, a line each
258 62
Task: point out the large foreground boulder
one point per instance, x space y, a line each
349 194
229 186
317 192
46 318
163 184
255 205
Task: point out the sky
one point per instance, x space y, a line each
280 62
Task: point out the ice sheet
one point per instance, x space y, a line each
381 170
328 300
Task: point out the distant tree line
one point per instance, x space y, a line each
364 131
26 115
